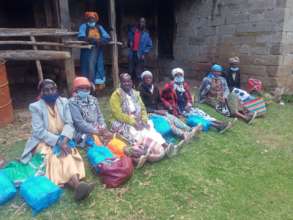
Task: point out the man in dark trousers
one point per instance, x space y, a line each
140 44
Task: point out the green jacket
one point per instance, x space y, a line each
119 115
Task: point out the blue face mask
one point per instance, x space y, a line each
50 99
91 24
83 93
179 79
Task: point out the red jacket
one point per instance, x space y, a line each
169 97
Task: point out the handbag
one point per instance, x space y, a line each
115 172
257 105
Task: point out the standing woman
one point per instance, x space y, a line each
52 133
92 60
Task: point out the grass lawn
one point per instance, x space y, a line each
247 173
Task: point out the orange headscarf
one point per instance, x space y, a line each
79 82
91 14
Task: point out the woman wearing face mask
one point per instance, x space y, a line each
92 60
177 98
86 114
52 133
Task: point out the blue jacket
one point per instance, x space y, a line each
145 44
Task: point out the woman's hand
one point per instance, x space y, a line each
65 150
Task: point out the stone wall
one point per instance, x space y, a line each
258 31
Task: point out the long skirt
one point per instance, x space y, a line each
61 169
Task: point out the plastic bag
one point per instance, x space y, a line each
18 172
116 172
39 193
161 125
7 189
98 154
116 145
194 120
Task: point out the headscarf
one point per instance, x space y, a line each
91 14
150 87
45 82
79 82
217 68
178 86
177 70
146 73
234 60
47 98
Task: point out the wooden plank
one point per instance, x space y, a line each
84 42
38 62
69 70
64 14
115 66
43 43
48 13
19 32
34 55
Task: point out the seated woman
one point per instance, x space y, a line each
52 131
176 97
131 121
86 114
214 91
151 98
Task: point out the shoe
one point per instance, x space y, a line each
225 128
252 118
83 190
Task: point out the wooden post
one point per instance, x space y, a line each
38 62
69 70
69 67
64 14
115 66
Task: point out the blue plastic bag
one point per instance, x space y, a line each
39 193
161 125
7 189
194 120
98 154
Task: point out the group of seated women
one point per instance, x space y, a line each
60 125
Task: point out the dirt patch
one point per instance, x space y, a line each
20 129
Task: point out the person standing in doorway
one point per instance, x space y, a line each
92 60
140 44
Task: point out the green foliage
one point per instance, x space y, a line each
245 173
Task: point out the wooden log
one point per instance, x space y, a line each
69 70
43 43
64 14
38 62
34 55
85 42
115 66
22 32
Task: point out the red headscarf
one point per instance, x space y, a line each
91 14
